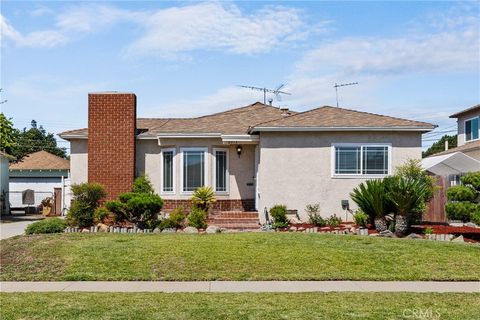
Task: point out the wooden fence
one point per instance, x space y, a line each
435 211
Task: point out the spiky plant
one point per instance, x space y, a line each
406 194
204 197
371 199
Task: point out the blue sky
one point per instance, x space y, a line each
417 60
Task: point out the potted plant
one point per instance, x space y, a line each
47 206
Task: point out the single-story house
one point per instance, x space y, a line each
44 173
4 191
254 156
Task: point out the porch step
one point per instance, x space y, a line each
240 220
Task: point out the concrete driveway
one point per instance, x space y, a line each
14 226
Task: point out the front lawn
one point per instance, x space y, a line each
240 256
239 306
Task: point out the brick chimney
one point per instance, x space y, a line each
111 140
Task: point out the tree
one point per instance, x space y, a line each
7 134
35 139
439 146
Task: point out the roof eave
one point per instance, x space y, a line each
305 129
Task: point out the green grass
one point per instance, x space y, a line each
241 256
239 306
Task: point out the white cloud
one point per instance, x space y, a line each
174 31
45 38
451 46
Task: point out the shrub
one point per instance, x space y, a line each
459 210
370 196
361 218
89 193
118 209
475 214
279 216
174 220
100 214
197 218
86 197
334 221
142 185
143 209
314 217
50 225
428 231
461 193
204 197
472 179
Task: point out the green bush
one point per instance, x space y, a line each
100 214
142 185
118 209
203 198
472 179
279 216
475 214
314 217
459 210
361 218
371 198
143 209
334 221
86 198
175 220
49 225
197 218
461 193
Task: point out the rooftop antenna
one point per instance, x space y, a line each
276 92
337 85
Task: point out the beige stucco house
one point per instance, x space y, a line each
253 156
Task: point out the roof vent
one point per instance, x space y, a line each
285 111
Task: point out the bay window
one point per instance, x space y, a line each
361 160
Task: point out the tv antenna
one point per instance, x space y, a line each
277 92
337 85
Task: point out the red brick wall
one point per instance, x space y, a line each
111 141
220 205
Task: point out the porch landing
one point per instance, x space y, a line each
239 220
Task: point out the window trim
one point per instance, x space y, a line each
465 128
173 171
227 182
205 166
333 174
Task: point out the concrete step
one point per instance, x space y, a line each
236 220
234 214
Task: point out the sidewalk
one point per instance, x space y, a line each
241 286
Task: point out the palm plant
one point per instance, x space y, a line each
406 194
204 197
371 198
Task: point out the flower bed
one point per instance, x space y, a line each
467 232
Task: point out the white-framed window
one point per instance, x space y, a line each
361 159
194 170
472 129
222 177
168 171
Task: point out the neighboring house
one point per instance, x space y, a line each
4 191
466 156
254 156
43 172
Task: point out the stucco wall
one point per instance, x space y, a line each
461 125
78 161
241 169
43 187
295 168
